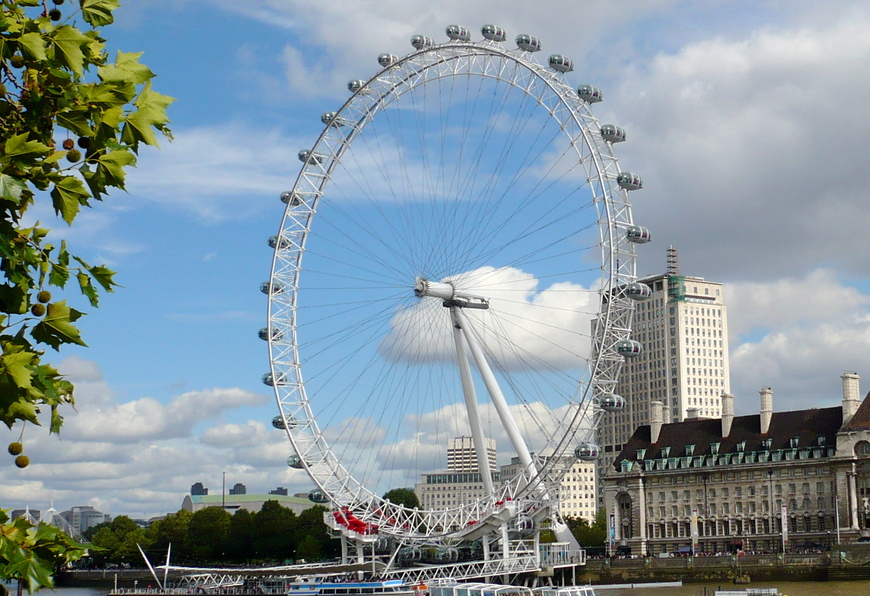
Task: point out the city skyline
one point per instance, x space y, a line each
744 119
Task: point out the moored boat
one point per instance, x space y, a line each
305 586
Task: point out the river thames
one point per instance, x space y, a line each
834 588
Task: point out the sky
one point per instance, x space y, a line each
746 119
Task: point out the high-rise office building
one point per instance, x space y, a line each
461 456
683 327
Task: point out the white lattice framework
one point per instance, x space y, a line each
583 131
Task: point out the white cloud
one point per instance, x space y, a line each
524 327
221 172
818 298
751 148
140 457
799 336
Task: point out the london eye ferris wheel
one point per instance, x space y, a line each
456 258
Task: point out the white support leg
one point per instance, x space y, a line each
498 400
471 405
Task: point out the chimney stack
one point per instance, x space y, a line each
693 413
655 425
766 409
727 414
851 395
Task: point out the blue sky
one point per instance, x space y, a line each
747 121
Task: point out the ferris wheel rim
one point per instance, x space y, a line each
341 487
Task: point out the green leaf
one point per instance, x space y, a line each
18 146
68 42
13 299
76 120
68 195
111 166
151 113
103 276
16 365
113 117
99 12
33 45
56 420
22 409
59 274
12 189
126 69
88 288
57 327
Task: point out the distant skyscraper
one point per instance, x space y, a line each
238 489
683 327
279 491
462 481
83 517
198 489
461 456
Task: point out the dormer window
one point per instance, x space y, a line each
641 454
666 451
741 446
821 440
793 442
766 444
714 448
690 450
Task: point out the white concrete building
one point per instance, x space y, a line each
461 483
577 495
683 327
461 456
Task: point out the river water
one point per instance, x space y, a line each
852 588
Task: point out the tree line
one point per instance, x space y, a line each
214 536
272 535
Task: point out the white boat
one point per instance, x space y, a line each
317 587
484 589
749 592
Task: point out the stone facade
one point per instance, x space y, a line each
718 485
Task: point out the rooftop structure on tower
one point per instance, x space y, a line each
683 328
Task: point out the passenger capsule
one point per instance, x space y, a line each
278 422
269 380
589 94
587 452
638 291
493 33
611 402
291 198
421 41
270 288
280 244
357 86
458 33
528 43
560 63
629 348
638 234
386 60
264 334
295 462
629 181
317 496
306 156
333 119
613 133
